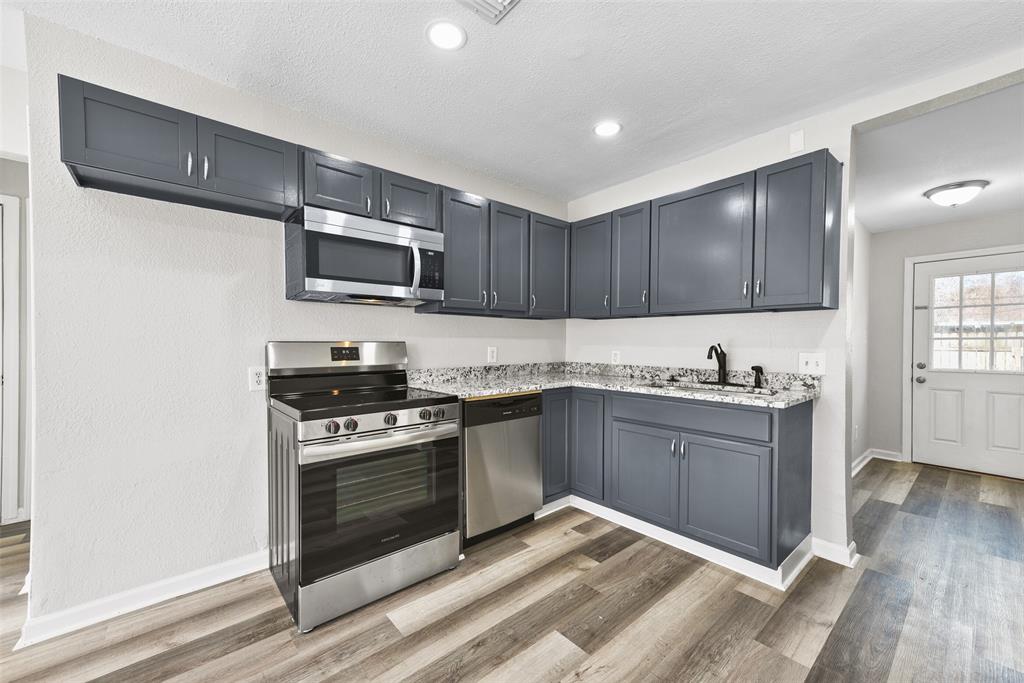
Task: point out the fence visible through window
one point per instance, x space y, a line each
977 322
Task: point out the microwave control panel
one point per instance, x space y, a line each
432 269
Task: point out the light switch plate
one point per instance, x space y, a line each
257 378
812 363
616 357
492 354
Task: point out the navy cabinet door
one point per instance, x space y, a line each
556 442
245 164
591 267
702 247
587 469
789 232
339 184
725 494
510 242
549 267
631 260
645 472
117 132
408 200
466 235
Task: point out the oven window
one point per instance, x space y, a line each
378 488
357 509
344 258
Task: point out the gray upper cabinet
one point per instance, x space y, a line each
245 164
702 248
549 267
725 490
631 260
510 248
408 200
556 433
645 472
340 184
587 419
591 267
112 131
466 250
796 233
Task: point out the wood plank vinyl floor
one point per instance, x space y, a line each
938 596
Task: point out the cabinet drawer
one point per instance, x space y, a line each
744 424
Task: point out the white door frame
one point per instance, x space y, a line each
908 328
13 478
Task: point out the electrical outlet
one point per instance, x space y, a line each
257 378
492 354
616 357
812 363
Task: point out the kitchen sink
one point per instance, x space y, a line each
732 388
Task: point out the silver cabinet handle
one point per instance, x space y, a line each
672 448
757 288
188 171
368 204
920 380
682 450
606 301
921 365
494 298
206 166
745 287
485 298
387 206
533 301
643 297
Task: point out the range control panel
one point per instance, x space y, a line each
355 425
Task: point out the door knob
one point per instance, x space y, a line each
921 365
920 380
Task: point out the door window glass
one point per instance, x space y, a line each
977 322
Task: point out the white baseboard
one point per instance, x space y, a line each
24 587
37 629
780 578
858 464
834 552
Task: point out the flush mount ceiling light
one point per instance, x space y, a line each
955 194
607 129
446 35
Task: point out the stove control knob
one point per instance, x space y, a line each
351 425
438 413
425 414
390 419
332 427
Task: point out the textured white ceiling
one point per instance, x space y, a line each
519 101
978 139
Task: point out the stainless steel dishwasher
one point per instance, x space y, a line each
503 471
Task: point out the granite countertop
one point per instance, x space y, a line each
472 382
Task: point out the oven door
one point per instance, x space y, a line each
370 259
366 498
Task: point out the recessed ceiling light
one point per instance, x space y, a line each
955 194
446 35
607 129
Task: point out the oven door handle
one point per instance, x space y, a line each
336 451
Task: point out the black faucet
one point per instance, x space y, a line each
719 354
758 375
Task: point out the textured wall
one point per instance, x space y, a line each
885 327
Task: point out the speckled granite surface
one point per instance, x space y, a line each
782 390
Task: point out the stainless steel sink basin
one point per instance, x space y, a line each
731 388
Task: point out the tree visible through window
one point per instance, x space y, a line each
978 322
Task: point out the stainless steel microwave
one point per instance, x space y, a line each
340 258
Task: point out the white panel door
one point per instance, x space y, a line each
968 375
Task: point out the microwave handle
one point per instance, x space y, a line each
346 449
417 269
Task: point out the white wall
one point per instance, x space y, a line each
859 393
13 115
885 326
152 460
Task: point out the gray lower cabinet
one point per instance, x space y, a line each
549 267
408 200
645 472
631 260
339 184
556 442
465 221
796 233
702 248
509 258
244 164
724 494
591 267
587 463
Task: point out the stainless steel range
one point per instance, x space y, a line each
364 476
